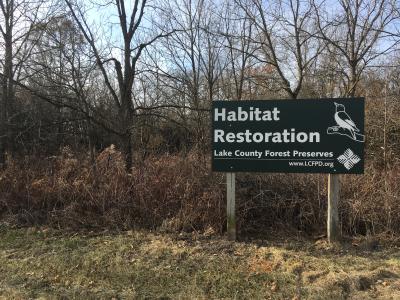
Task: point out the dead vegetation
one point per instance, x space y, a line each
176 193
170 192
45 263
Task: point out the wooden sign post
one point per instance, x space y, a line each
230 206
333 212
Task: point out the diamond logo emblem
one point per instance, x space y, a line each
348 159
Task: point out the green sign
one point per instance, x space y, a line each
289 136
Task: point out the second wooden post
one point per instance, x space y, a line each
333 229
230 206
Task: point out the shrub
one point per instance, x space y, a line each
180 193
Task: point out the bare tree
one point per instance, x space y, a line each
213 61
355 35
283 40
17 21
237 32
65 71
192 59
123 71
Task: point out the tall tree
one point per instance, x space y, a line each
237 32
283 40
17 20
193 59
65 72
355 35
130 16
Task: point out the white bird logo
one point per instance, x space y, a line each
343 120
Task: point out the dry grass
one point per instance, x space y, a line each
168 192
50 264
176 193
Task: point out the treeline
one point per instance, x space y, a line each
142 75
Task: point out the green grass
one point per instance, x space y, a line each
50 264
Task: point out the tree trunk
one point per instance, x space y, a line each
127 132
127 148
3 131
3 122
7 97
353 80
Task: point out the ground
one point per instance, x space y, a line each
44 263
